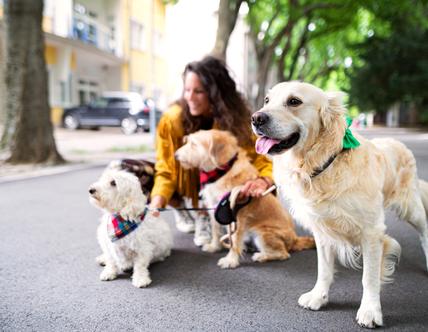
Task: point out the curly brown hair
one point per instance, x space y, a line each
229 108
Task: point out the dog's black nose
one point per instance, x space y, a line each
259 118
92 191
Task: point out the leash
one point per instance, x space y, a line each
232 227
180 209
268 191
226 240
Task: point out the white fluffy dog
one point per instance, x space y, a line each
129 235
340 193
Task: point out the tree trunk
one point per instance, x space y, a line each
263 66
228 11
30 136
3 113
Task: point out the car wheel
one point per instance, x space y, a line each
129 126
71 122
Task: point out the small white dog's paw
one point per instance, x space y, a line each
313 300
101 260
228 263
369 316
108 274
141 281
212 247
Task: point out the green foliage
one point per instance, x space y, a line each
393 64
318 40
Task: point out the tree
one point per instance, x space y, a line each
28 132
228 11
281 34
394 64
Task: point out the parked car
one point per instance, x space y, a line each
127 110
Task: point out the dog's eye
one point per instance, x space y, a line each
293 102
113 183
266 100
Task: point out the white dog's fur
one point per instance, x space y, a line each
344 205
120 192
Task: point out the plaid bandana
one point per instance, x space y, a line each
214 175
119 227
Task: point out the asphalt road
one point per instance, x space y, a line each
49 279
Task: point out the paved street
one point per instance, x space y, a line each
85 147
49 279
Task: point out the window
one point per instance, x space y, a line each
118 103
137 36
82 97
99 103
87 90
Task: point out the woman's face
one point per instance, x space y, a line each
195 95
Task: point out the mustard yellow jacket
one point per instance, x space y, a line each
170 176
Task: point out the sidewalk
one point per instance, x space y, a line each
89 148
84 149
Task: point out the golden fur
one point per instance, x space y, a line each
264 216
344 205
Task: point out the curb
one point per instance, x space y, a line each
52 170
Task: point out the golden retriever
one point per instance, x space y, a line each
339 194
264 216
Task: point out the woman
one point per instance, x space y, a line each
210 100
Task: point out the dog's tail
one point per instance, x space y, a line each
390 258
423 187
303 242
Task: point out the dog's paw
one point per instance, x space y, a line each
108 274
212 247
201 240
141 281
313 300
369 316
101 260
228 263
259 257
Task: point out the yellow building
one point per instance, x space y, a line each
94 46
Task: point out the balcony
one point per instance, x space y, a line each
90 31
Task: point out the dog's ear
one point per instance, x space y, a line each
134 201
222 146
333 110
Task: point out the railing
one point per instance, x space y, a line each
90 31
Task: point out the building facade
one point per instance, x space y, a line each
92 46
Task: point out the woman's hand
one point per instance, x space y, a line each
157 202
255 188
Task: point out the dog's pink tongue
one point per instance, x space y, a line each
263 144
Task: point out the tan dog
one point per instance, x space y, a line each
340 195
264 217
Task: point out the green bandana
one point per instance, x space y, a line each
349 141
